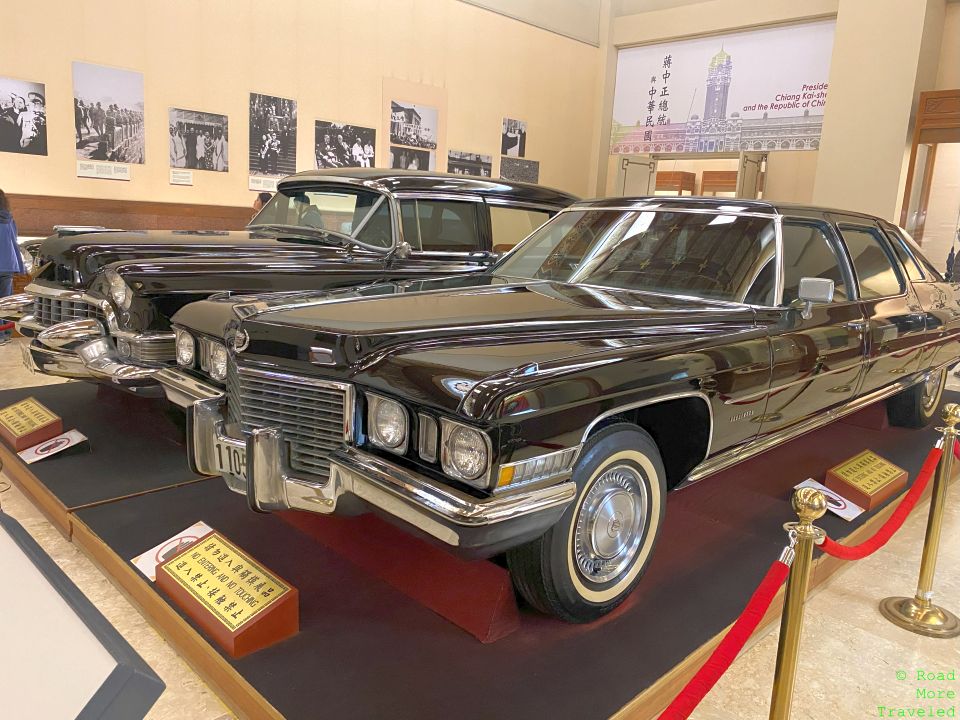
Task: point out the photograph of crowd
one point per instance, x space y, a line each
23 117
413 125
338 145
108 113
520 170
513 138
464 163
198 140
273 135
402 158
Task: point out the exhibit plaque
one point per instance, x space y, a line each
28 423
239 602
866 479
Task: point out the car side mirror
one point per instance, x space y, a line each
813 291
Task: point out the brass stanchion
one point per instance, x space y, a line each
810 505
919 614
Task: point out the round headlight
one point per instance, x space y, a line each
121 294
467 451
218 362
389 423
186 348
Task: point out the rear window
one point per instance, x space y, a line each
510 225
441 225
875 269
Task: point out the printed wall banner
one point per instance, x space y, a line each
755 90
108 113
198 140
23 117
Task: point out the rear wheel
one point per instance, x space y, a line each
587 564
917 406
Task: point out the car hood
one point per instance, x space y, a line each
487 329
74 259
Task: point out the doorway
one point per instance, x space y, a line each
679 174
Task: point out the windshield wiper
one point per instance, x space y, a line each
306 233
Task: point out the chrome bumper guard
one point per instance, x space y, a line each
14 307
476 527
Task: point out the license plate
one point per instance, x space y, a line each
231 460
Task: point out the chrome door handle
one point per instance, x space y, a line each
858 325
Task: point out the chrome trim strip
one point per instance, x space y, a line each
423 195
70 334
14 307
646 403
521 204
735 455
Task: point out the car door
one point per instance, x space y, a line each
896 322
816 362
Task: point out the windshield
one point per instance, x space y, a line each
347 213
719 255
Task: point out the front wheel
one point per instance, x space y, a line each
916 406
589 561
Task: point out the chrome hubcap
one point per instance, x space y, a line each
611 524
931 387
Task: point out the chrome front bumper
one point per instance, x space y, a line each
14 307
475 527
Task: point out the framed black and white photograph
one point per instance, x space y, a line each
338 145
465 163
23 117
520 170
513 138
108 113
273 135
404 158
198 140
413 125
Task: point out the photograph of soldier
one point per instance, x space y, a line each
513 138
23 117
464 163
337 145
108 113
273 135
413 125
198 140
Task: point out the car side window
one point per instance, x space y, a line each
441 225
510 225
906 259
808 252
876 270
377 230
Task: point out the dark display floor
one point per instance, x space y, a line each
366 650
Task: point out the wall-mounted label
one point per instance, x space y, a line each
181 177
103 170
263 183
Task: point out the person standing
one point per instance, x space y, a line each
10 261
368 154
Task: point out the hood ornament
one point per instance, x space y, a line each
240 340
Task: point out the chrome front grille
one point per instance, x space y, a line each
49 311
315 415
157 350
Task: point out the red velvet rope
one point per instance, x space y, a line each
6 326
894 522
956 449
726 652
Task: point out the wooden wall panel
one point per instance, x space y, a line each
37 214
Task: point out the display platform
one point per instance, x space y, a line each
366 650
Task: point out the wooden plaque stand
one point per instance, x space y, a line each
866 479
232 597
28 423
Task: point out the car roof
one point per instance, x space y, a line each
693 202
437 182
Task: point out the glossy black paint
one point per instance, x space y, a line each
168 269
538 364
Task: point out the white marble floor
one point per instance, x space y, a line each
187 697
851 662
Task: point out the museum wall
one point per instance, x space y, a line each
337 60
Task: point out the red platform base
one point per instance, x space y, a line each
872 417
477 595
